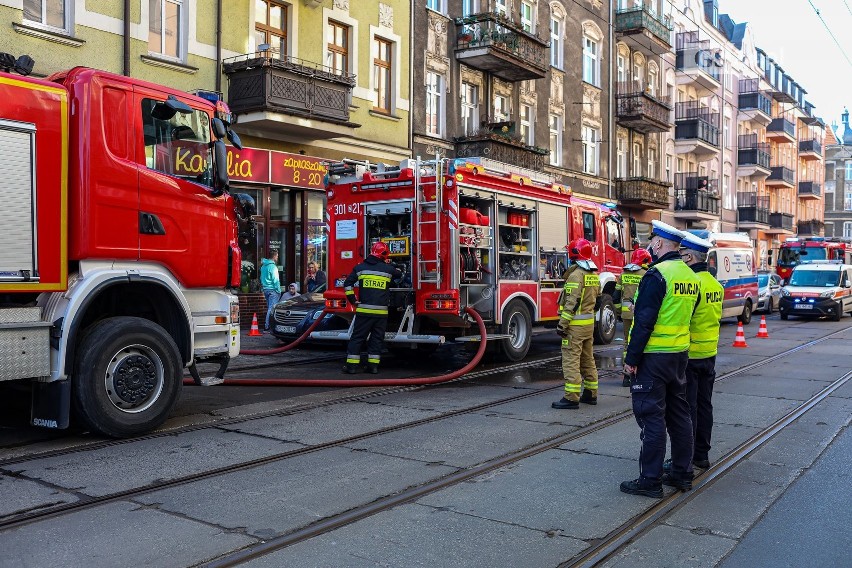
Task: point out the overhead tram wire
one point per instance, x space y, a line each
848 9
840 47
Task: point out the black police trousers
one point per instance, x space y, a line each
700 376
659 404
370 330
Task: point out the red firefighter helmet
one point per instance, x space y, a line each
380 250
579 249
640 256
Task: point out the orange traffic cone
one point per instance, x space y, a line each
763 332
739 340
254 331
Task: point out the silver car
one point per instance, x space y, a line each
769 292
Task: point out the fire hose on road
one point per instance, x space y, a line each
412 381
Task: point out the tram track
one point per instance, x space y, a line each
87 502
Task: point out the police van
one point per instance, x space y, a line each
731 261
818 289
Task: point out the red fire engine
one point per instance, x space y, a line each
467 233
795 251
119 238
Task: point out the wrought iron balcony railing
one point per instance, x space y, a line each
640 19
642 191
503 147
494 43
636 108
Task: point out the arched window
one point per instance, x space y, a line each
592 40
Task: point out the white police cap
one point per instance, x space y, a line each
694 242
666 231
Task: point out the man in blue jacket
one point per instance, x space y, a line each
270 283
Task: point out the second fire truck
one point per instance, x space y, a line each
467 233
795 251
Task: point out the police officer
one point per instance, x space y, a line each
577 326
703 346
625 292
657 355
373 277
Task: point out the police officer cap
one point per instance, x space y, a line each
694 242
666 231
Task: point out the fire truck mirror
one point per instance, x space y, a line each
219 130
235 139
165 110
220 154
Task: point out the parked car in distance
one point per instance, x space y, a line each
818 289
769 292
292 317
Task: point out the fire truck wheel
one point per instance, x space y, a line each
745 317
605 324
517 325
127 378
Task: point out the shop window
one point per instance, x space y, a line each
279 205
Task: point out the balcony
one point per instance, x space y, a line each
642 193
493 43
810 190
782 131
811 227
643 30
781 177
698 63
752 211
498 142
753 157
810 150
755 106
696 197
780 223
637 109
264 90
696 130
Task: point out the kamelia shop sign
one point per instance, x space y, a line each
277 168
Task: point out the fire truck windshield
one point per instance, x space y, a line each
794 255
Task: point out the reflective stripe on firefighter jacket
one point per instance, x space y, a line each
578 297
671 330
628 285
704 326
373 277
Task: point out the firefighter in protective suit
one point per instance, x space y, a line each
625 292
576 326
373 277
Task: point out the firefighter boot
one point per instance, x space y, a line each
373 369
565 404
587 398
350 368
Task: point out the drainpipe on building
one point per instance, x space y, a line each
125 69
412 10
218 46
611 113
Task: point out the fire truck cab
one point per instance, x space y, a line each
471 233
795 251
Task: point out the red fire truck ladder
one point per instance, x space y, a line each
428 200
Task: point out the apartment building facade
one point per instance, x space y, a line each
838 179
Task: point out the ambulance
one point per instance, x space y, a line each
731 261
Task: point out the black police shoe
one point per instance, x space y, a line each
587 398
672 481
625 380
701 464
350 369
373 369
564 403
640 487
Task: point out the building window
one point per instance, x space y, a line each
50 13
849 170
470 7
500 7
527 122
591 72
383 73
591 138
527 20
653 79
621 71
669 168
621 157
165 24
270 25
847 229
501 108
434 104
637 159
470 108
338 48
652 163
556 47
638 75
555 140
437 5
